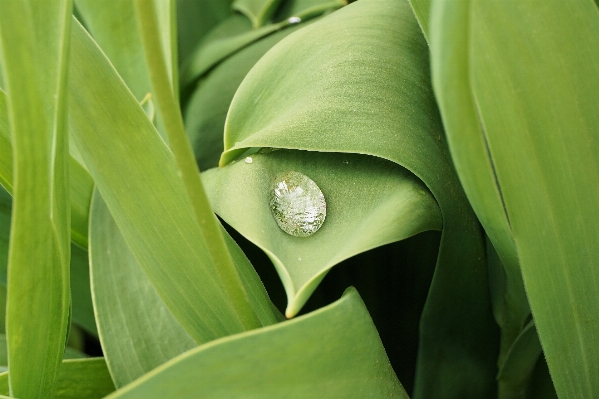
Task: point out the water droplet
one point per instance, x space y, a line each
346 162
249 160
294 20
297 204
299 258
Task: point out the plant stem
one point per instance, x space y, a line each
187 167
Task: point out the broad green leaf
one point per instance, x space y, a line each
449 46
542 139
258 11
34 37
365 89
78 378
206 112
155 219
370 202
81 184
334 352
235 33
137 331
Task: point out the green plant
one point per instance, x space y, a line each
461 133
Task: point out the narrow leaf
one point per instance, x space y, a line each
34 40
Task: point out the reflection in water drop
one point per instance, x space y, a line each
249 160
297 204
294 20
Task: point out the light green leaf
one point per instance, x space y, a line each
334 352
471 158
155 219
34 37
81 184
115 28
258 11
422 11
137 331
538 102
370 202
78 378
365 89
5 218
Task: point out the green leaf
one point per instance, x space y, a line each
206 111
82 307
195 19
81 184
34 38
531 71
365 89
422 11
155 219
334 352
137 331
115 29
80 378
235 33
258 11
5 218
370 202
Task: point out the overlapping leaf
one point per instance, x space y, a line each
154 218
35 49
528 64
334 352
80 378
357 82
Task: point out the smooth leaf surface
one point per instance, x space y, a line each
366 89
115 29
81 184
79 378
5 219
334 352
155 219
137 331
258 11
370 202
206 111
35 51
467 142
541 121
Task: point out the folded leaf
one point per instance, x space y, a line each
369 202
334 352
357 81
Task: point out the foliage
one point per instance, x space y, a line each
454 142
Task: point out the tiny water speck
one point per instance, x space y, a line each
299 258
297 204
294 20
249 160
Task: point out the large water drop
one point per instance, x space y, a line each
297 204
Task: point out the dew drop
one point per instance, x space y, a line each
294 20
249 160
297 204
